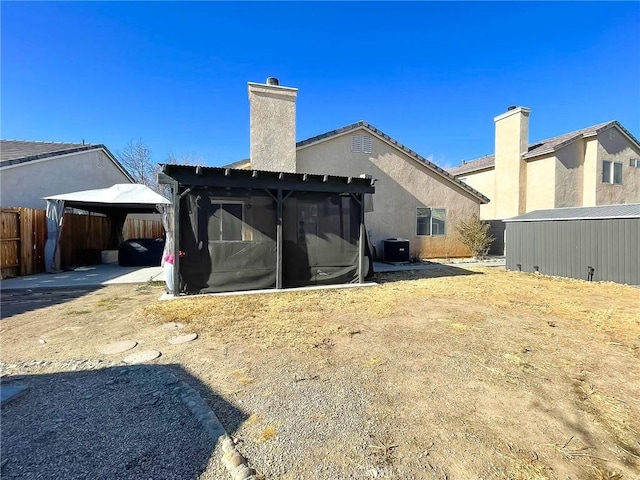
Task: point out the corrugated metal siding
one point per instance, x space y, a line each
631 210
568 248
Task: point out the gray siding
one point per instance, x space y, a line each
567 248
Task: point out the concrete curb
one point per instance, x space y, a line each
234 462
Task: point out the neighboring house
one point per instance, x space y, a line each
415 199
31 170
598 165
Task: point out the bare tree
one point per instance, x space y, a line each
184 159
136 159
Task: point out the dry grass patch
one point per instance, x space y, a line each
268 432
495 370
304 319
293 319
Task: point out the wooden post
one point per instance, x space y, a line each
279 240
361 272
176 239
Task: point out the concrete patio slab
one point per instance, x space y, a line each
94 275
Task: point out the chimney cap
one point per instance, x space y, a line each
511 107
272 81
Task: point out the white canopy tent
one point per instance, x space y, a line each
115 202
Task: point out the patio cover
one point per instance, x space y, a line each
115 202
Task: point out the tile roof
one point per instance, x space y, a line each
14 152
551 144
18 151
362 124
487 161
631 210
539 148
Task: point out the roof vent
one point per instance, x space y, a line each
511 107
272 81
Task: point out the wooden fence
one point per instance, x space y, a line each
23 233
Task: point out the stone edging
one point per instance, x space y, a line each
235 463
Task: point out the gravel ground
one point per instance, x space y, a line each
332 417
99 420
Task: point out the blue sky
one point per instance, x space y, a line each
431 75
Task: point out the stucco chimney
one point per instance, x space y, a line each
272 126
512 141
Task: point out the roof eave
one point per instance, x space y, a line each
486 168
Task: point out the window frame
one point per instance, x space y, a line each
242 219
430 222
612 173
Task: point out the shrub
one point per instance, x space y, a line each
474 234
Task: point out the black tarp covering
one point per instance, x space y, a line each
141 252
320 239
229 242
229 239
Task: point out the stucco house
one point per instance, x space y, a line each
30 170
597 165
415 199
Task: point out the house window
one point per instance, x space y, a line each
361 144
226 222
634 162
430 221
611 172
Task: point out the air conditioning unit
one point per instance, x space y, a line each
395 250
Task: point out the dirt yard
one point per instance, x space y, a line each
432 375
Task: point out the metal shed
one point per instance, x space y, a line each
250 229
591 243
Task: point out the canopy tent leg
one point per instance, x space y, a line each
361 240
55 218
176 239
116 221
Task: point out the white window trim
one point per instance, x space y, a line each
612 164
231 202
431 234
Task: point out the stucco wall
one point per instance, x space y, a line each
272 127
615 147
569 175
485 183
511 140
402 186
23 185
540 191
590 174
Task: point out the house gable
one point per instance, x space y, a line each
544 147
24 183
402 186
14 153
406 153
